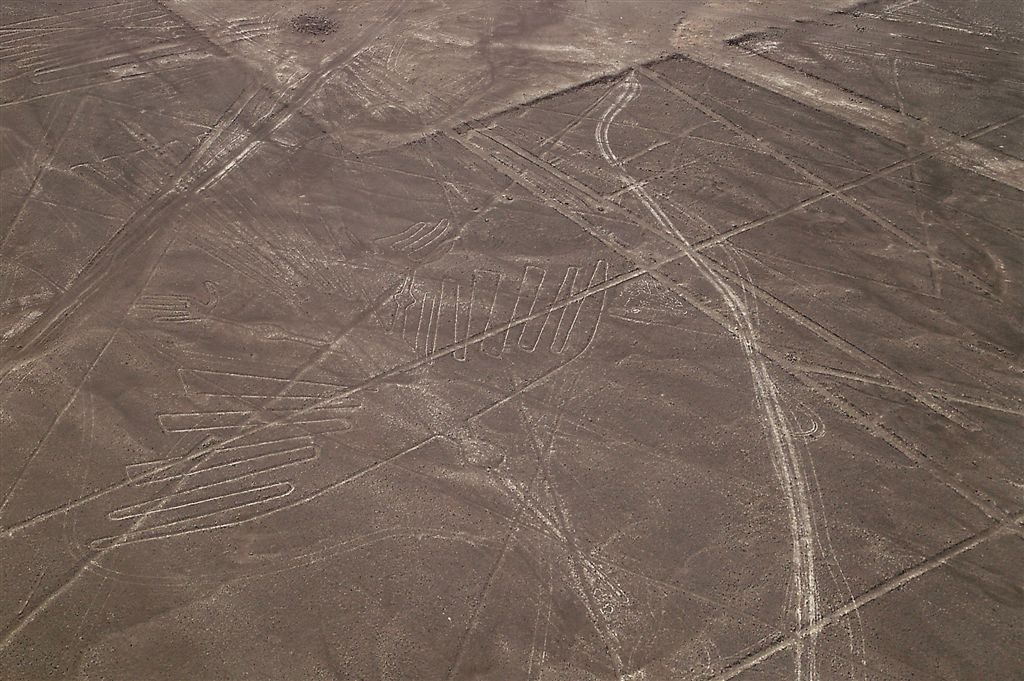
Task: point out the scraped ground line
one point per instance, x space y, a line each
785 454
873 594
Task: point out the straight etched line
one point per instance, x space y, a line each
873 594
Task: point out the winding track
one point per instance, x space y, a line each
785 453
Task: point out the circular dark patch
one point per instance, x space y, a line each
314 24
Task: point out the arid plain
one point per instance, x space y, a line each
537 341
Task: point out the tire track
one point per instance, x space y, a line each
785 454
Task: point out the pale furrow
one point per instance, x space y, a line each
785 453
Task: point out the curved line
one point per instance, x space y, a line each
785 455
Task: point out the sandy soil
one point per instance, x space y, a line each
545 341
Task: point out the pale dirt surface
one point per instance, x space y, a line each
551 341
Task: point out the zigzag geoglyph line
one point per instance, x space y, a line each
340 396
226 486
450 314
495 315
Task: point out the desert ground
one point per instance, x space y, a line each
578 340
